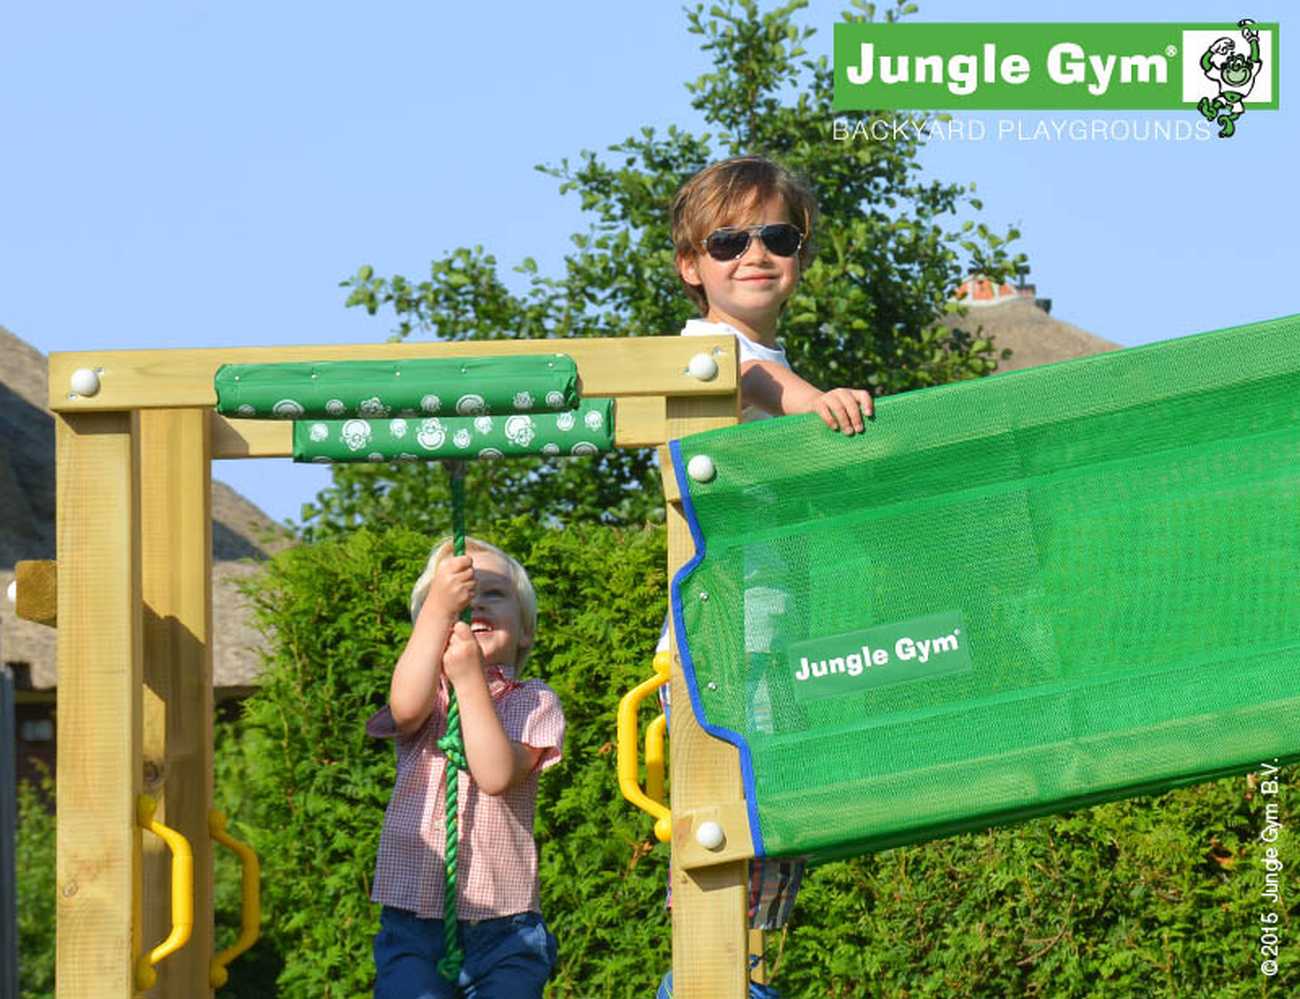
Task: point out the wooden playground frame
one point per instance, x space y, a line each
134 618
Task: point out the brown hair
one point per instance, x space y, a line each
727 188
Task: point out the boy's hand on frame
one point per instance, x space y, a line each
844 409
463 659
452 589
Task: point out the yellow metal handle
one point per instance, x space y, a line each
182 893
250 917
654 757
627 750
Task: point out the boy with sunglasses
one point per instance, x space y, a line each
742 230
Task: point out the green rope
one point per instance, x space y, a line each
453 745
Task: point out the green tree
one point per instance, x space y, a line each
892 250
37 897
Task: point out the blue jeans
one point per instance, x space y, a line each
506 958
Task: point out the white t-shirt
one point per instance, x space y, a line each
764 606
750 350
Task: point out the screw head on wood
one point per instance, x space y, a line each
709 835
84 382
703 367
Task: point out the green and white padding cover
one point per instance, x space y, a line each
589 429
469 386
1008 596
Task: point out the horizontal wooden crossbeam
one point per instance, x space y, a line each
618 367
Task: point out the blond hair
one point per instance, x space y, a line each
518 577
726 189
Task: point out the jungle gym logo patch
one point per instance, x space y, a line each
919 648
1217 70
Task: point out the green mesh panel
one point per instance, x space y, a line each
589 429
462 386
1104 555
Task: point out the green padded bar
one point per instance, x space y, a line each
1008 597
589 429
418 386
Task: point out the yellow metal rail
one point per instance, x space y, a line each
250 918
182 893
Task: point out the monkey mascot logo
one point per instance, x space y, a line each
1235 73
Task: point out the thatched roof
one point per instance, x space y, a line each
240 531
235 642
1033 336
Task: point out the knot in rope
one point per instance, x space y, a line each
453 745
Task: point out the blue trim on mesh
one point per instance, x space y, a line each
684 650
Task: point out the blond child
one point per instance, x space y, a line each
512 730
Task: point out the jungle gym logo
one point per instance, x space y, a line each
1217 70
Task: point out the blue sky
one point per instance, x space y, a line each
180 174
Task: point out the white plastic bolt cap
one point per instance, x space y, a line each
701 468
12 592
84 382
703 367
709 835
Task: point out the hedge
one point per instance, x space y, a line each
1156 896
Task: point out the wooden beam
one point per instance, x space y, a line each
250 438
732 816
176 573
638 422
96 457
607 366
38 591
710 937
672 493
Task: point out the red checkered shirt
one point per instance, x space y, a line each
497 862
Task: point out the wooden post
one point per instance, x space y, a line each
96 456
176 567
710 940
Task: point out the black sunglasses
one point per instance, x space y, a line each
780 238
